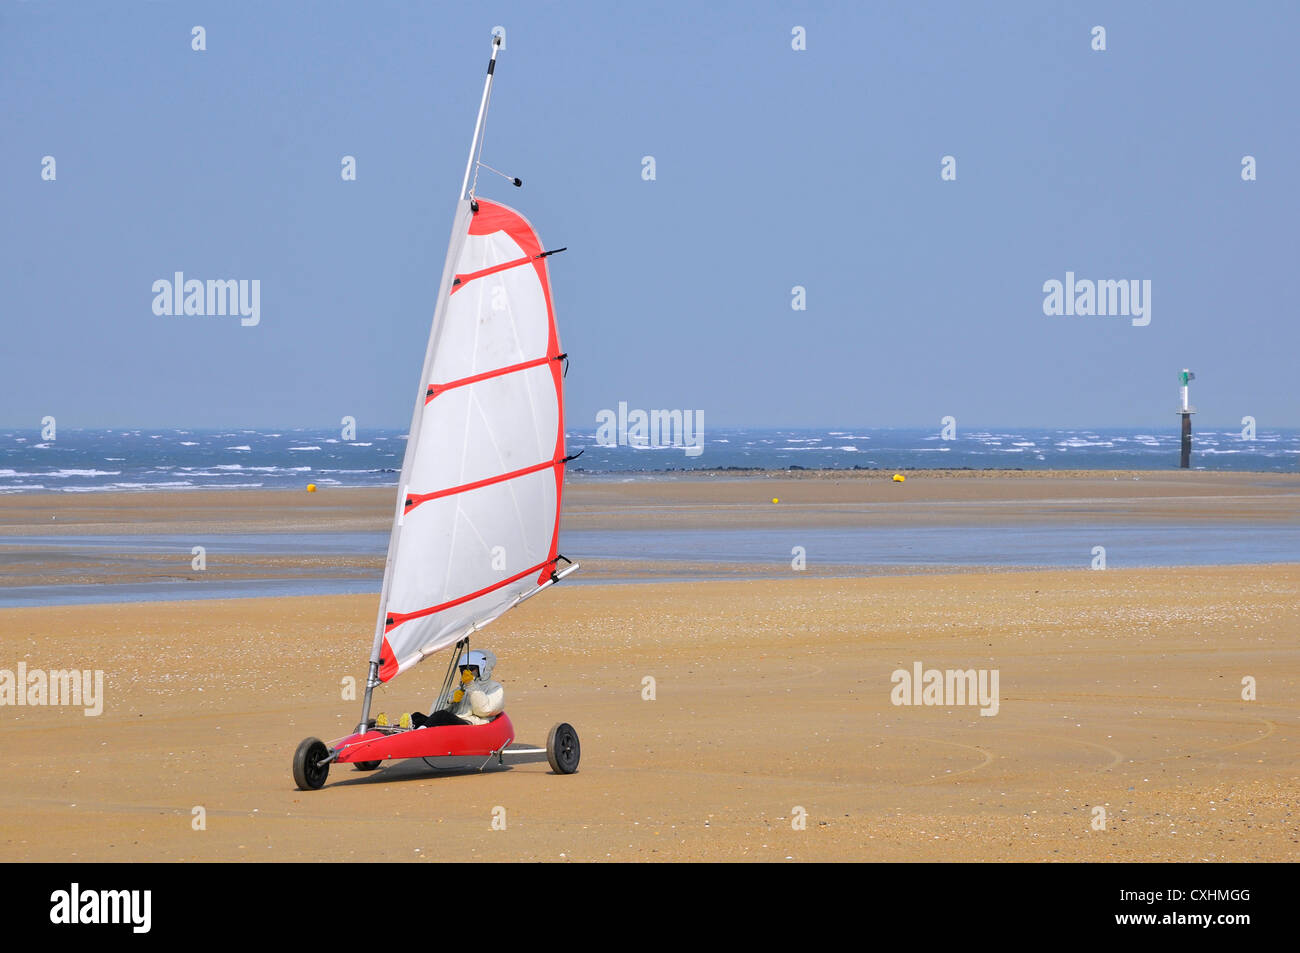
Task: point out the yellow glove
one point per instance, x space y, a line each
466 677
457 695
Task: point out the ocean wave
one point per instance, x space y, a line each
343 470
192 472
109 487
148 486
250 468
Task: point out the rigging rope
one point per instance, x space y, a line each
509 178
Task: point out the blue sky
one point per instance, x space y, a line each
774 168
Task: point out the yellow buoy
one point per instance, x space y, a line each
311 487
775 500
899 478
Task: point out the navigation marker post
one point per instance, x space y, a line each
1185 459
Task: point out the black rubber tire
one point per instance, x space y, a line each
367 765
562 748
307 770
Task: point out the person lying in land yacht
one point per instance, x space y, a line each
476 701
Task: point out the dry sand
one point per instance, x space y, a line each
1119 689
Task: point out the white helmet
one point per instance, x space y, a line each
483 661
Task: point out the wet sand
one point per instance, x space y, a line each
847 500
1119 689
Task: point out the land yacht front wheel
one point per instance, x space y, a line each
310 764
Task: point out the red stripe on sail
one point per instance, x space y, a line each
559 446
415 499
387 662
436 389
397 618
494 217
462 280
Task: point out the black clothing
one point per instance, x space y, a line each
443 717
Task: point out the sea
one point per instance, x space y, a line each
89 461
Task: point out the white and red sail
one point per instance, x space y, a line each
478 508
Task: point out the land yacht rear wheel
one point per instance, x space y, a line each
562 749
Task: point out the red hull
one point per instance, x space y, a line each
444 741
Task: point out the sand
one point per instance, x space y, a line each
709 498
847 500
771 736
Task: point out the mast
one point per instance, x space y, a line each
476 146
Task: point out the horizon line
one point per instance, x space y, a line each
1173 426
